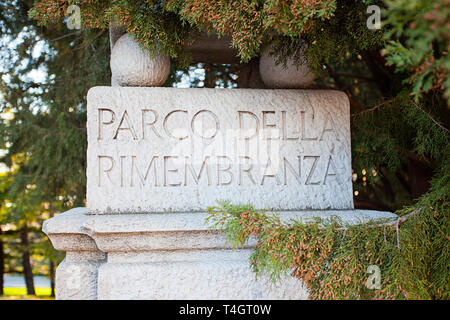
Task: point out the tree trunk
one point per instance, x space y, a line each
27 270
2 263
419 176
209 81
52 278
52 264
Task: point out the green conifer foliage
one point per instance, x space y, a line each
396 77
44 77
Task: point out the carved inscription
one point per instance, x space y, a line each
166 149
211 172
156 168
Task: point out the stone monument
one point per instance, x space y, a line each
159 157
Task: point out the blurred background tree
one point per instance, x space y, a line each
45 75
396 78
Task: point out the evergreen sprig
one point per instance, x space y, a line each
332 257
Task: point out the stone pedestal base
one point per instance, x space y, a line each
200 274
164 256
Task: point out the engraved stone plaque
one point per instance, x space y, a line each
182 150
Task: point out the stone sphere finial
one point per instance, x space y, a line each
132 66
278 77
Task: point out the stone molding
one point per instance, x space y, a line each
165 256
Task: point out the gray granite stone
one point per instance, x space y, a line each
290 76
167 256
173 150
133 66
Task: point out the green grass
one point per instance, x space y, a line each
22 292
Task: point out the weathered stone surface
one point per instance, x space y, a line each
201 274
291 76
132 66
76 277
163 231
175 150
166 256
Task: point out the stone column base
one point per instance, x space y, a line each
164 256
